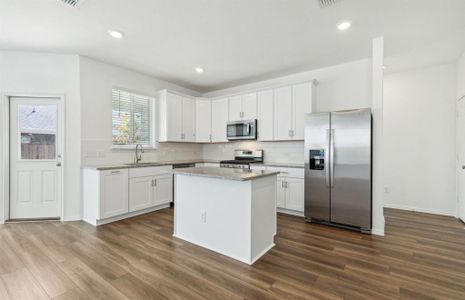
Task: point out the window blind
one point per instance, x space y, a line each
131 118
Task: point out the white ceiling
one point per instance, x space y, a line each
236 41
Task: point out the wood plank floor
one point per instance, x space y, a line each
421 257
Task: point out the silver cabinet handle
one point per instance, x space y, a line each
328 142
333 158
154 182
290 133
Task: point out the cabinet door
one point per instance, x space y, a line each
174 117
265 115
295 194
283 113
163 190
114 193
249 106
188 119
219 120
235 108
203 121
281 193
140 193
302 104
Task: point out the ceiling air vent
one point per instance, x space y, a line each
73 3
327 3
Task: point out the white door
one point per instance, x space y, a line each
203 121
174 116
249 106
283 113
461 158
302 102
219 120
265 115
141 192
235 108
163 190
188 119
35 158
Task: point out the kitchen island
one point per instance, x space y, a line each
229 211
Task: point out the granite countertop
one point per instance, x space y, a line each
282 165
194 161
147 164
224 173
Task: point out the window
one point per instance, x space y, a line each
132 118
37 127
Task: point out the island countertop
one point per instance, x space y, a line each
224 173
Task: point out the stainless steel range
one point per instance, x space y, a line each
243 159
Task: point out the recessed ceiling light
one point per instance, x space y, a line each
116 34
199 70
344 25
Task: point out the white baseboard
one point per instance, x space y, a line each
421 210
290 212
71 218
125 216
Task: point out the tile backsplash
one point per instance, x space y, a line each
286 152
99 152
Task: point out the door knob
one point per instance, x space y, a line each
59 164
463 167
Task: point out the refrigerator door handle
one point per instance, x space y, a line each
328 143
332 157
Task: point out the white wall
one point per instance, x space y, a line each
39 73
340 87
461 76
97 81
419 138
344 86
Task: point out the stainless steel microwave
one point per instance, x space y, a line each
242 130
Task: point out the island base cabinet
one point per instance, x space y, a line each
234 218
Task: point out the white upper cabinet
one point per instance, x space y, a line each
188 119
219 120
265 116
235 108
302 95
243 107
283 113
176 117
249 106
291 105
203 120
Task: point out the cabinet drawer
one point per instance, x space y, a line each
288 172
115 171
149 171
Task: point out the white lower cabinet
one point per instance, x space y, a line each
148 191
111 195
290 189
294 194
141 193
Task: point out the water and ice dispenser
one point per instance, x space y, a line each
317 159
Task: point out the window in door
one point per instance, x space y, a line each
37 130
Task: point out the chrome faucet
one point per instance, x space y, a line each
138 157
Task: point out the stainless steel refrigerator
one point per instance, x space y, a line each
338 168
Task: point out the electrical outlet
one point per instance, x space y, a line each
203 217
